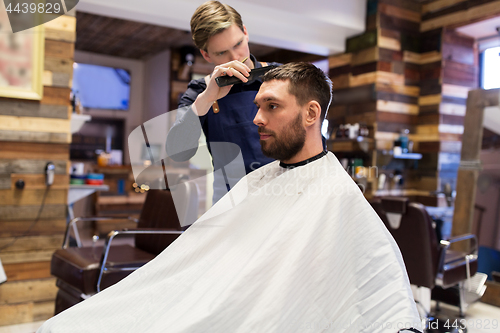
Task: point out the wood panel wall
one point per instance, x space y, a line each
410 69
33 133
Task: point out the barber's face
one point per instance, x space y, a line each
228 45
279 117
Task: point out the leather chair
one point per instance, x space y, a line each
83 271
429 263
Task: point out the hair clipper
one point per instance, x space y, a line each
255 74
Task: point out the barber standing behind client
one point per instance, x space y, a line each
328 265
226 113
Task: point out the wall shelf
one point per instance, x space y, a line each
408 156
361 144
77 121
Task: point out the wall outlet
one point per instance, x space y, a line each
3 277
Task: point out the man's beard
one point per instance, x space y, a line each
287 144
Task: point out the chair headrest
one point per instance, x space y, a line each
395 205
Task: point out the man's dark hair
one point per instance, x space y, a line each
307 83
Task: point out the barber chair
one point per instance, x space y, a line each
429 264
84 271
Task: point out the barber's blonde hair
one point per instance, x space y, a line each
211 18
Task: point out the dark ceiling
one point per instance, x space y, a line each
136 40
127 39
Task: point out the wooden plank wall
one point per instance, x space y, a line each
410 69
458 74
33 133
377 80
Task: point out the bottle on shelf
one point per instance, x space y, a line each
363 130
397 150
353 131
347 131
403 139
340 132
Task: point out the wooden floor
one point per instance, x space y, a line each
480 313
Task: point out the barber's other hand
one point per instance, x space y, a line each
213 92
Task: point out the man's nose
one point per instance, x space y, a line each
234 55
259 119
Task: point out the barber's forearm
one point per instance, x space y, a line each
202 104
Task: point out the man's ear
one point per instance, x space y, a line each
206 56
245 32
313 113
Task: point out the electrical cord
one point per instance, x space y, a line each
32 224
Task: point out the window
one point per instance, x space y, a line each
490 69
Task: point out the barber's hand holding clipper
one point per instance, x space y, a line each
213 92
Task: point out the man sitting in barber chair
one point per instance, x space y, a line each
293 247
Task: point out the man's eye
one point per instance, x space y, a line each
272 106
239 43
221 53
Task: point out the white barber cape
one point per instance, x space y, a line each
301 251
